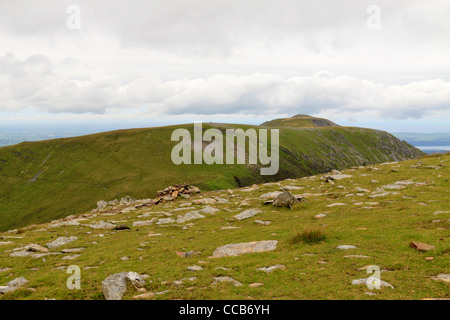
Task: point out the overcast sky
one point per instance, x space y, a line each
243 61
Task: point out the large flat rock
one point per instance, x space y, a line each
237 249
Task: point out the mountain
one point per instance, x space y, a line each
299 121
377 216
52 179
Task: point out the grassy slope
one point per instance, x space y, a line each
75 173
383 233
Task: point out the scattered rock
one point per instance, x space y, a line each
13 285
285 199
204 201
247 214
32 247
195 268
166 221
255 285
187 254
101 204
226 279
264 223
271 195
443 277
364 282
60 242
420 246
115 286
320 216
71 257
291 188
346 247
144 223
336 204
189 216
236 249
102 225
272 268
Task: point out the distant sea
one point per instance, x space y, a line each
434 149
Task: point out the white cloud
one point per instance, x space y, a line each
36 83
255 57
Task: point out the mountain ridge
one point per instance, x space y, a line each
51 179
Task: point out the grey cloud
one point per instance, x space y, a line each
44 87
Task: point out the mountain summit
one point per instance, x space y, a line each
299 121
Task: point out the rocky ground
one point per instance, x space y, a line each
257 242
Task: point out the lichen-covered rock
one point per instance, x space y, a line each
285 199
115 286
61 241
247 214
236 249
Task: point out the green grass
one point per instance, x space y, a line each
73 174
313 271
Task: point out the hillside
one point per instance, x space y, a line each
393 215
299 121
52 179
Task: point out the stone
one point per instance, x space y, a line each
102 204
236 249
255 285
440 212
264 223
18 282
144 223
71 257
209 210
356 256
364 282
336 204
22 253
5 243
320 216
285 199
336 176
32 247
227 279
443 277
204 201
115 286
13 285
187 254
271 195
393 187
189 216
272 268
420 246
195 268
64 224
166 221
102 225
247 214
144 296
291 188
72 250
346 247
61 241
